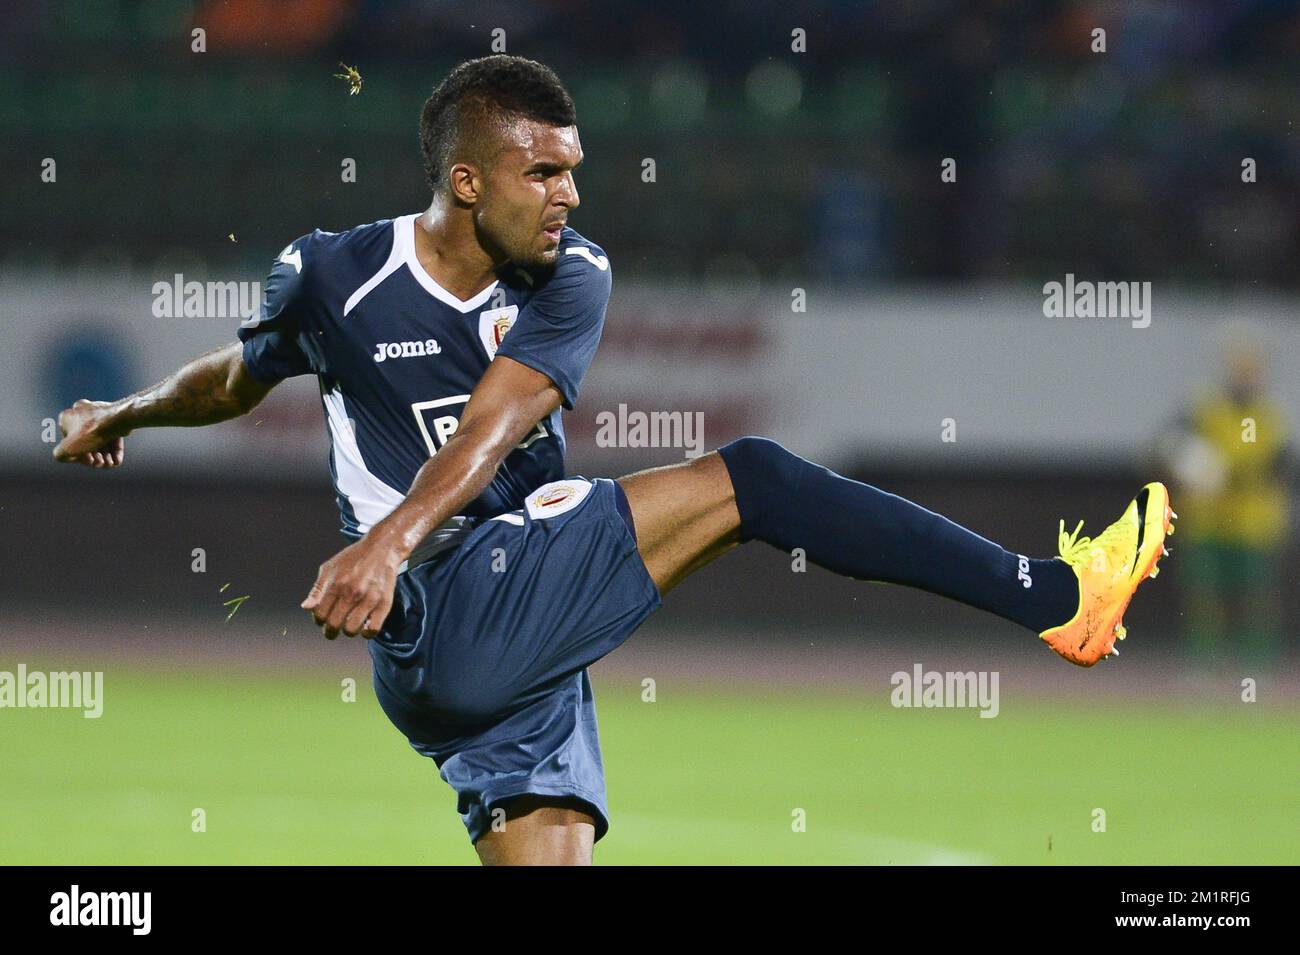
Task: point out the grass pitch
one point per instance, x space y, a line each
288 773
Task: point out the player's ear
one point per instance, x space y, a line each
466 183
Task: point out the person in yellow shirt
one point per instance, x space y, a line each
1231 460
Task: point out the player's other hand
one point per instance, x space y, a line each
89 436
354 590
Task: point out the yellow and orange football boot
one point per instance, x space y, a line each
1110 567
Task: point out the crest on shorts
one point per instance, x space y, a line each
556 498
493 325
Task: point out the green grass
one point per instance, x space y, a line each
287 773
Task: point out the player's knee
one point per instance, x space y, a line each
765 478
754 459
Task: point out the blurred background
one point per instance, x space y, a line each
798 267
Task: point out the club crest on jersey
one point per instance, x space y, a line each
493 325
556 498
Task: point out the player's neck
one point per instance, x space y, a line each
448 249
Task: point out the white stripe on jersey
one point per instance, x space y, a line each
403 253
395 260
372 500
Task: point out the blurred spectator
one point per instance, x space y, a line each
1230 461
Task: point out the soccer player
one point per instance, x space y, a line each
446 344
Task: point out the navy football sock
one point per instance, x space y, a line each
860 531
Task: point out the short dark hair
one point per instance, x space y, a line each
476 103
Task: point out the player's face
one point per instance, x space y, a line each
530 191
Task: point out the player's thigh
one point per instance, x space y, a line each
685 515
539 830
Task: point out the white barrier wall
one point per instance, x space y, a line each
873 374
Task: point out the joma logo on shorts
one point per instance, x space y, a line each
385 350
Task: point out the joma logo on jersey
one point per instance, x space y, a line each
385 350
1022 572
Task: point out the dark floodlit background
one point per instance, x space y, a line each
923 363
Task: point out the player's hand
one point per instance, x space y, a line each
90 436
354 589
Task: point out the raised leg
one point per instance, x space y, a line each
754 489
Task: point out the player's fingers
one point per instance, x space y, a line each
329 632
63 450
315 594
339 612
364 613
326 603
378 615
357 617
65 420
368 616
321 614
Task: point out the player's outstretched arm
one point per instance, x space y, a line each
353 592
214 387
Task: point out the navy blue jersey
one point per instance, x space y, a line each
397 355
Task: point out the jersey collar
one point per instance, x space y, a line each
405 238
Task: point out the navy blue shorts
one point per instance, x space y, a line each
483 661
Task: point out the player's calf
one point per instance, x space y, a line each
860 531
754 489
